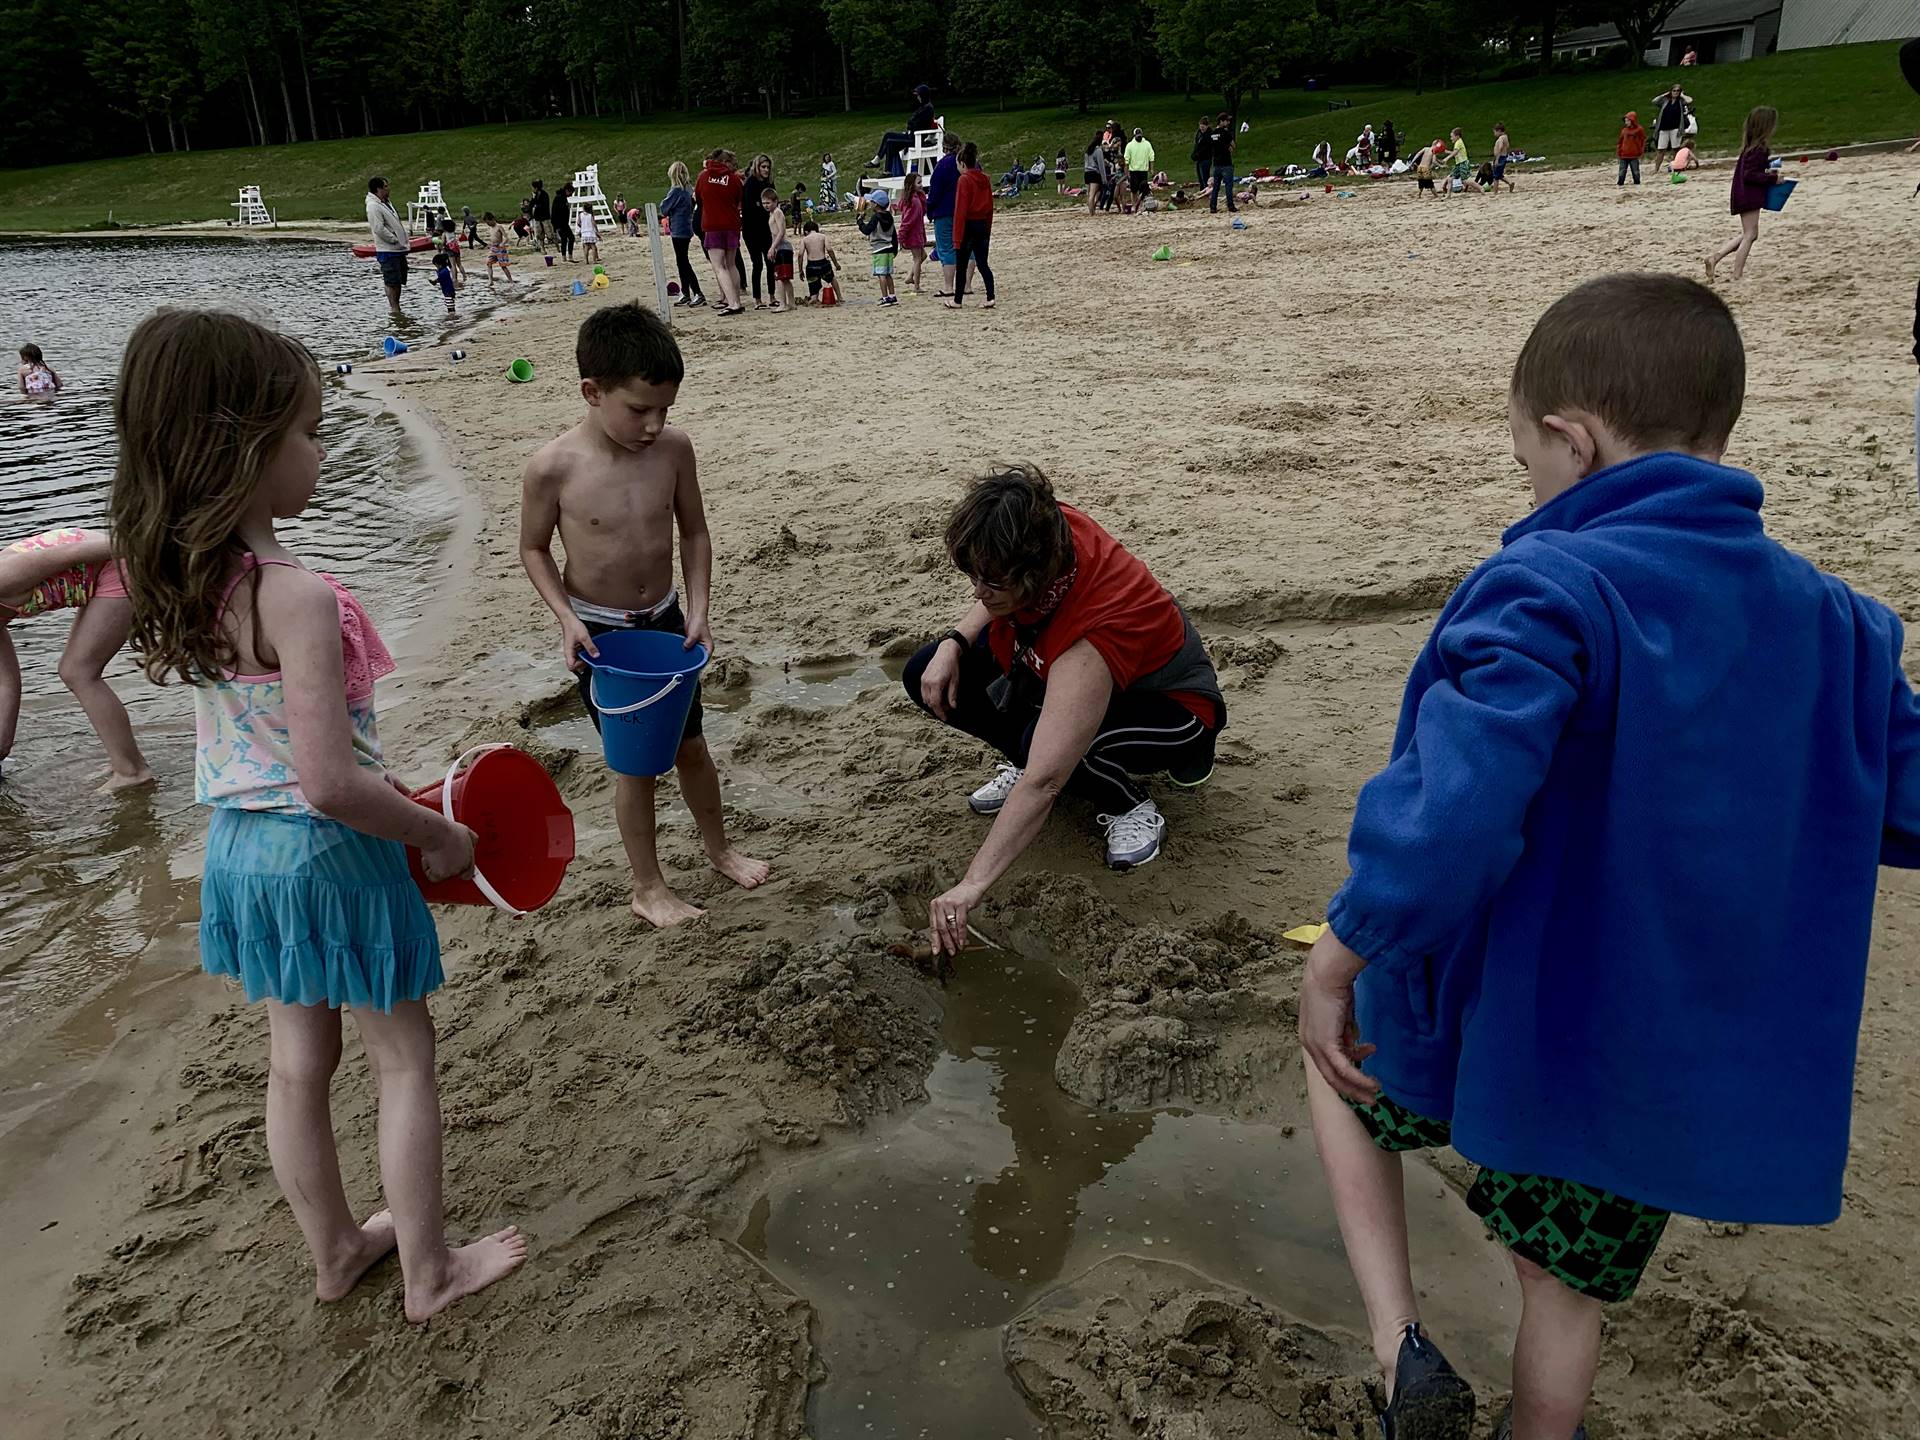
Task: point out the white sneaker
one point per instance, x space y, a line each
1133 838
988 799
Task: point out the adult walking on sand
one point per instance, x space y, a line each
676 206
972 226
390 242
1670 128
718 191
540 213
1221 140
1139 162
563 220
756 231
1073 662
942 187
1202 152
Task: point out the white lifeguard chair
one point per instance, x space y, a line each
253 210
587 194
923 153
429 209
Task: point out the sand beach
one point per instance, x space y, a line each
1301 427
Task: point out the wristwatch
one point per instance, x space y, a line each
965 644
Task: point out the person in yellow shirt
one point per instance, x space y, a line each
1139 158
1462 167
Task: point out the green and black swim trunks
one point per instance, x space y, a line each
1593 1241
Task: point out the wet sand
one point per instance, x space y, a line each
1323 455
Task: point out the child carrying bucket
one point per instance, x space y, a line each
624 461
305 895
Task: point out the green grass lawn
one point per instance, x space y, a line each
1825 97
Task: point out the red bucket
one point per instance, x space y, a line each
523 830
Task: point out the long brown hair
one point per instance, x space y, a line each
204 399
1761 121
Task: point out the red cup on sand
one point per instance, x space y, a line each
523 831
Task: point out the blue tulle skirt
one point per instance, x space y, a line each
304 910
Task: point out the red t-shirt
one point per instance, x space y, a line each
1117 607
718 191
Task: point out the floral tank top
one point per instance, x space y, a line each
244 753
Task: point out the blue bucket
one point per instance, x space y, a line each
1777 193
643 686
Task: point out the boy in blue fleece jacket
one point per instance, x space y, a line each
1642 745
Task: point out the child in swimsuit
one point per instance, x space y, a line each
496 248
72 569
37 378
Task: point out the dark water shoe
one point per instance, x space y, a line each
1430 1400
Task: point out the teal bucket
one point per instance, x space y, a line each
1777 193
643 686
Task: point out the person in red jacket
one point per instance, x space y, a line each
718 192
1633 144
972 225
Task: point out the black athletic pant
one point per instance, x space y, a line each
757 245
1142 733
689 281
973 246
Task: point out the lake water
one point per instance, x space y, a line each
85 883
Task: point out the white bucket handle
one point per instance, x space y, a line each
480 881
593 688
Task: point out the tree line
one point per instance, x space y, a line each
85 78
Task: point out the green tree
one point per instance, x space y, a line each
739 47
991 48
1638 22
1238 45
44 115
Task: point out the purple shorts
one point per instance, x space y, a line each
721 240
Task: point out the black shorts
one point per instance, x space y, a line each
1426 182
1137 181
393 268
1091 177
673 622
819 272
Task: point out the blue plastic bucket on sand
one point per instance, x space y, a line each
1777 193
643 686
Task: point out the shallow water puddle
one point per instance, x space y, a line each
918 1241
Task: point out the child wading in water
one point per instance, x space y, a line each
496 248
72 569
1572 945
609 484
1751 177
305 897
37 378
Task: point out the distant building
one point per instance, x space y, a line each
1805 24
1718 31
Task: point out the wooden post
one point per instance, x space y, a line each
659 265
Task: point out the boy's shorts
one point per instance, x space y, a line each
783 265
1500 168
943 250
672 621
1462 169
1426 182
721 240
819 272
1592 1241
883 263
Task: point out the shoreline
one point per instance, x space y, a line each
621 1093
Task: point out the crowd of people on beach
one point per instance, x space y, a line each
1575 950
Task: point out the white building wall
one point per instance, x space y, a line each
1805 24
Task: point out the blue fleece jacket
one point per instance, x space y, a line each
1615 886
677 206
941 186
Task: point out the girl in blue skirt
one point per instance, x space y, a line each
305 898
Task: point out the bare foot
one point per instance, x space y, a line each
660 907
335 1279
745 871
117 781
471 1268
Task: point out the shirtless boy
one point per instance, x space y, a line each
615 485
